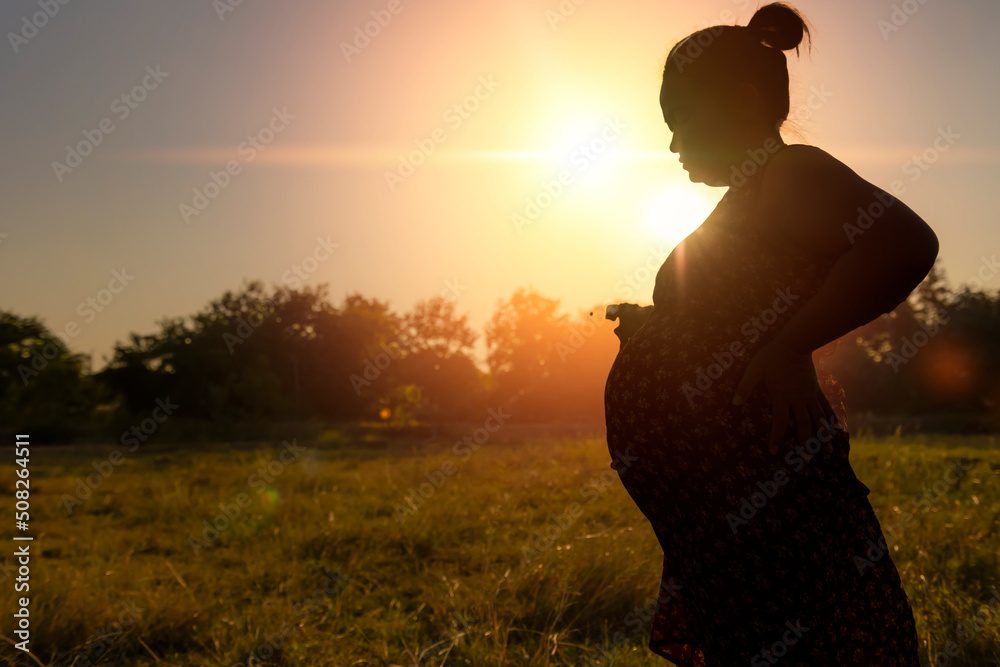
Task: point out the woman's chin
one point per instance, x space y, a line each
694 174
697 175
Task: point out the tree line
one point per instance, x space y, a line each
257 355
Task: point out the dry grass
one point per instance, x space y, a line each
318 569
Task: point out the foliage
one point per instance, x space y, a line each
255 355
939 351
43 390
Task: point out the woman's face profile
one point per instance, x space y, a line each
703 131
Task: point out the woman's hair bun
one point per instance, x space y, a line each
779 26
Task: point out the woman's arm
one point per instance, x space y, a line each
883 249
879 250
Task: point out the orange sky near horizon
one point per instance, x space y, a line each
487 147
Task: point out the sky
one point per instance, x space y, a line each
158 154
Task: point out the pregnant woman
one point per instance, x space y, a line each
735 454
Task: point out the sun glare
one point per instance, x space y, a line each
676 212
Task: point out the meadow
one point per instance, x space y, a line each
364 546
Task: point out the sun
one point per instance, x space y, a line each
675 212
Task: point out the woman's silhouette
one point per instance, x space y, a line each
771 550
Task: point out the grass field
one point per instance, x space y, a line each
521 550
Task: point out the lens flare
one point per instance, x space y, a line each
948 368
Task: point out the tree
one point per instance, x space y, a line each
585 356
361 350
237 358
937 352
521 339
43 389
442 381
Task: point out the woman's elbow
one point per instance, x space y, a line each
912 259
913 244
925 250
921 254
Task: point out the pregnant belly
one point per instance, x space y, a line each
675 371
668 404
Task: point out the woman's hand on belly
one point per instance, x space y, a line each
632 317
791 384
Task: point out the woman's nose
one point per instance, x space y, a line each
675 144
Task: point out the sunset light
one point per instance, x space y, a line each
329 335
676 212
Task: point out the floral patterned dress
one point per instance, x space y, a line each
767 559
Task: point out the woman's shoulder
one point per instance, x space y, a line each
792 170
806 195
794 157
801 171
